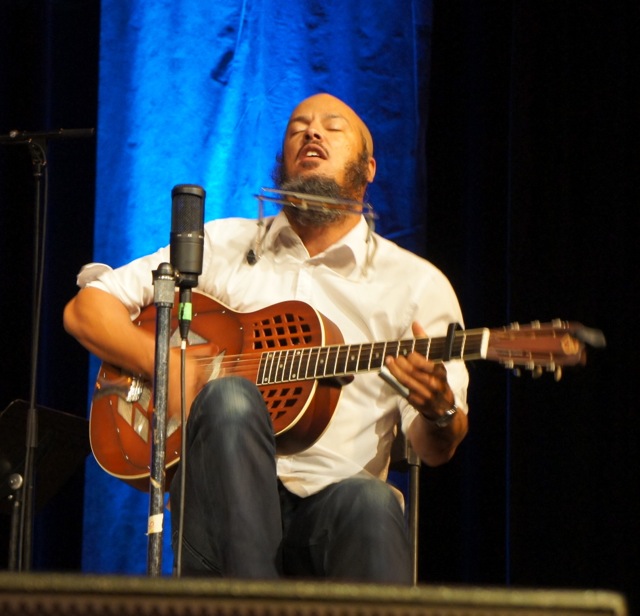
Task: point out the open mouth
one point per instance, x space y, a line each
312 150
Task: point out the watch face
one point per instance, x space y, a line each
447 418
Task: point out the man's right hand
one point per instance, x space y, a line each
197 373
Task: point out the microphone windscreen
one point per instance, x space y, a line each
187 231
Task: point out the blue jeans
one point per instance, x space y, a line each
240 521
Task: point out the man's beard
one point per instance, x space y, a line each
355 182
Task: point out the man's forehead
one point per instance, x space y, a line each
323 103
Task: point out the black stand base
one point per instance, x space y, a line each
63 443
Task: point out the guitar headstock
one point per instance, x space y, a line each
540 347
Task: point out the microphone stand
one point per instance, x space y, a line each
164 282
186 251
21 550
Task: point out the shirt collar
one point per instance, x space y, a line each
347 257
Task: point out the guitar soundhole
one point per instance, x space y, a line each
279 401
281 331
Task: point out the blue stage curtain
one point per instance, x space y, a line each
199 92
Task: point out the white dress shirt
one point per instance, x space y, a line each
370 287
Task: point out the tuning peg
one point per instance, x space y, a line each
557 373
510 365
536 372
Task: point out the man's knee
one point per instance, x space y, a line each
370 500
228 400
230 415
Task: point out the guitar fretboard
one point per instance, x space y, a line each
298 364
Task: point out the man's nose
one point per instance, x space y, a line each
313 133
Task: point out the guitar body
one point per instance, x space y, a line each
120 423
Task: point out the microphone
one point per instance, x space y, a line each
252 258
187 245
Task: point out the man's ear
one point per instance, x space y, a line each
372 169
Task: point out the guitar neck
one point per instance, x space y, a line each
342 360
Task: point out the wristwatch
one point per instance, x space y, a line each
444 420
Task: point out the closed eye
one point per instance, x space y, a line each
297 126
335 124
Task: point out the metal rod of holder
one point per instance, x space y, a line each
164 282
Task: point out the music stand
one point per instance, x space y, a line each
63 443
